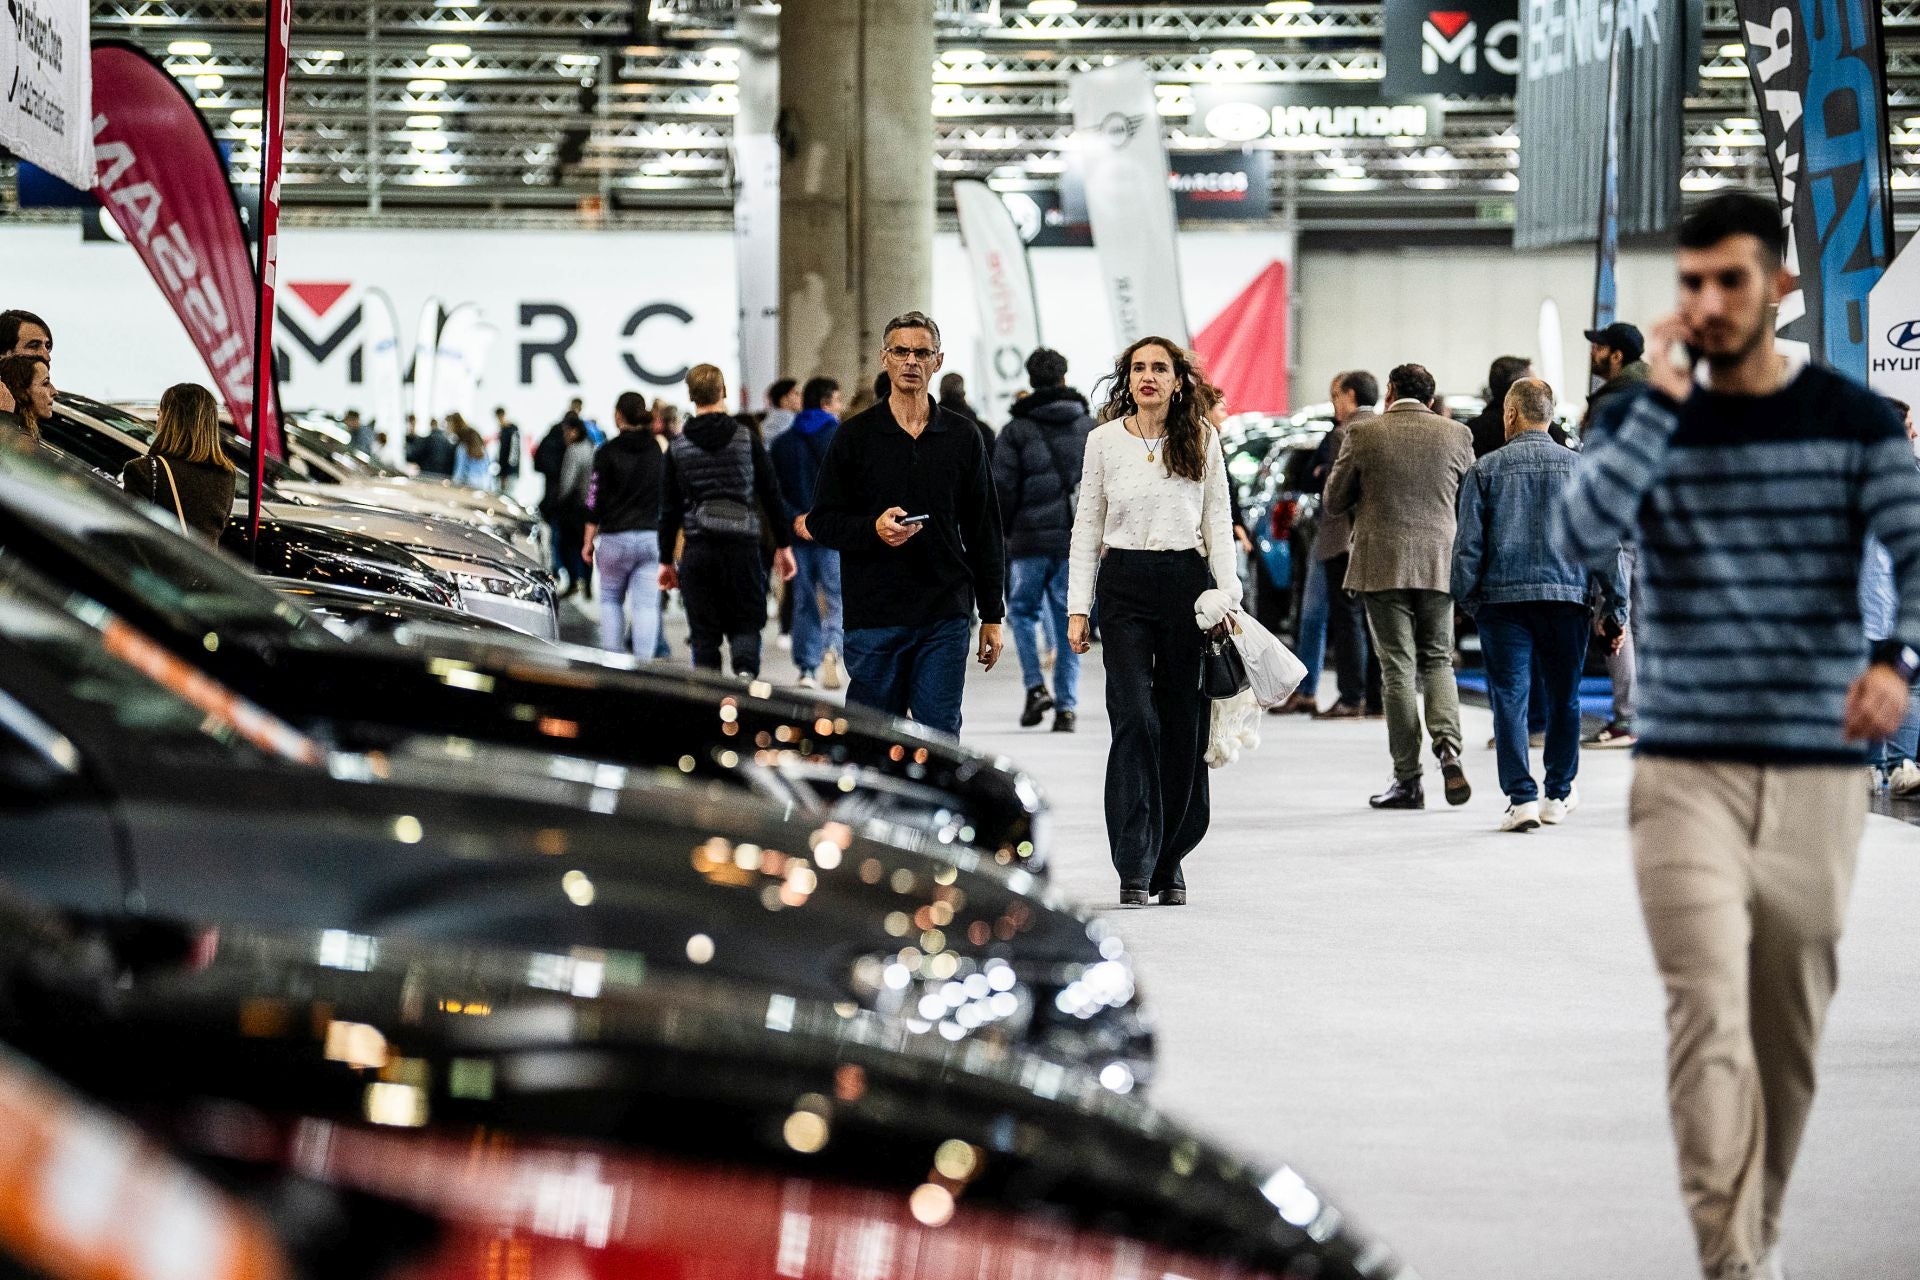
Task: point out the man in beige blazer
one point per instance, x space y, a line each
1398 476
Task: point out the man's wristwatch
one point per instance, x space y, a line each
1902 657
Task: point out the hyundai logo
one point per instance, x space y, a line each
1905 335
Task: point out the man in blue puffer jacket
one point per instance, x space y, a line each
797 454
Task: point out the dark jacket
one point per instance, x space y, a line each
1036 470
958 405
797 454
507 451
623 494
681 488
433 453
1630 377
206 491
1500 552
956 561
1489 429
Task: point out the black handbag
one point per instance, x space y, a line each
1223 673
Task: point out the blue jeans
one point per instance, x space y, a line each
1905 742
1517 640
1037 598
919 671
1315 605
629 584
816 605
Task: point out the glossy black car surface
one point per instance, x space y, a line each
860 768
718 1120
130 781
363 611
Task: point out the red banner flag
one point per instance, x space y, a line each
279 29
160 177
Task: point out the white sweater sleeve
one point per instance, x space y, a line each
1216 521
1089 526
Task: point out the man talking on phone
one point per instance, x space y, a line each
905 497
1750 494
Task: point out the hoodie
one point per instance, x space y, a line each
713 433
1630 376
797 454
1036 470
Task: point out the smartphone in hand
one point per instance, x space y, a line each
913 519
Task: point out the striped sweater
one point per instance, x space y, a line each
1750 512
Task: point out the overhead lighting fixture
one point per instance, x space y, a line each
1233 55
207 104
963 57
1911 122
328 55
426 86
247 115
724 53
1044 7
1741 122
423 122
1733 51
579 59
430 142
190 48
448 50
1289 6
209 81
1724 73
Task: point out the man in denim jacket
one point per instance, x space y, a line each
1529 601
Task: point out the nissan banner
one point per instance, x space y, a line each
48 81
1561 110
159 176
1820 79
1123 162
1002 292
1469 47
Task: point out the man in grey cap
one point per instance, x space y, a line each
1617 366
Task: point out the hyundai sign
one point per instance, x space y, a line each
1248 113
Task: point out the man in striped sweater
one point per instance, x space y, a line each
1750 496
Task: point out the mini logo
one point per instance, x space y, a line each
1119 128
1905 335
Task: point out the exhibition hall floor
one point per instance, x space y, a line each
1458 1033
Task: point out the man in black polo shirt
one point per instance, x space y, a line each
905 497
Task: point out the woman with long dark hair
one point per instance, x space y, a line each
471 466
28 382
1153 536
186 471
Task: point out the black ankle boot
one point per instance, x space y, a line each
1039 702
1403 794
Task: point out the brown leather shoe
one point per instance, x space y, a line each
1297 704
1341 711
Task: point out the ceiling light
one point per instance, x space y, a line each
1233 55
423 122
724 53
190 48
1741 122
207 104
1733 51
328 55
1051 6
247 115
430 142
1289 6
579 59
209 81
448 50
426 86
1724 73
963 57
1912 122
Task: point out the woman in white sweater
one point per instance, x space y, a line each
1154 531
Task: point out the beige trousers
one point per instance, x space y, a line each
1744 872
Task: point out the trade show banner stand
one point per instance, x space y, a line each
1003 293
48 104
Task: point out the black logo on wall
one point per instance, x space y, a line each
1467 47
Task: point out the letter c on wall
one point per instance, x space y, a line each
632 327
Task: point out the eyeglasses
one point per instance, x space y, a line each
922 354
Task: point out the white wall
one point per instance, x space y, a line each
1455 310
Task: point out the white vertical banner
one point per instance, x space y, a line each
1117 143
46 77
466 339
383 373
1003 293
1893 329
426 340
756 239
1553 352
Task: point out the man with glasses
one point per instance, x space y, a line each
905 497
23 333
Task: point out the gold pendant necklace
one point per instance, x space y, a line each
1152 445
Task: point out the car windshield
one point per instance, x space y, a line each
341 455
114 675
194 587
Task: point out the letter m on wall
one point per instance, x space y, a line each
323 340
1448 36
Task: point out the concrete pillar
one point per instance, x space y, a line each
857 187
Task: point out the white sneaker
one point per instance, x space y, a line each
1905 779
830 670
784 644
1521 817
1556 811
1773 1266
806 681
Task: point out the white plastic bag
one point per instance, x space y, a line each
1272 669
1236 728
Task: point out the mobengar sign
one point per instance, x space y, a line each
1467 47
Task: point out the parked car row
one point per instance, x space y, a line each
431 949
